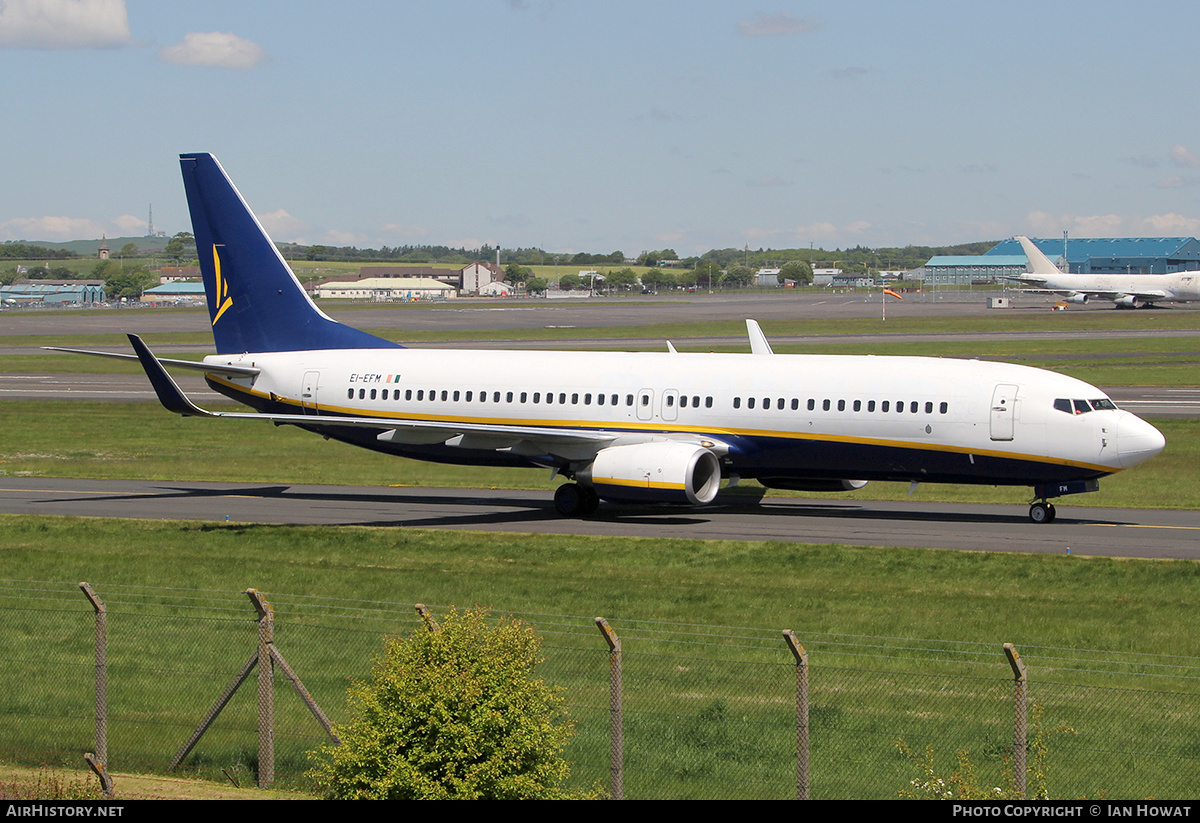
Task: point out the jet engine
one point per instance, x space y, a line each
811 484
664 472
1127 302
1075 297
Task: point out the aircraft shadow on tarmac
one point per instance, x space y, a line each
432 511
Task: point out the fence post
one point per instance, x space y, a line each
1020 699
616 721
802 743
98 761
266 691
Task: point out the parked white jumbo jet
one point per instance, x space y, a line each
1126 290
633 427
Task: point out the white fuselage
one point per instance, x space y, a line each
782 415
1182 287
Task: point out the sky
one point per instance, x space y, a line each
605 125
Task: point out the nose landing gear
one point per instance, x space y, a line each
1042 512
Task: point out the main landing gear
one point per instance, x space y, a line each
1041 512
574 500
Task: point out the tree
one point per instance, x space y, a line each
516 274
797 270
451 712
180 246
536 284
570 282
738 277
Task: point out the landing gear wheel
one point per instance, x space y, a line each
1042 512
570 500
591 500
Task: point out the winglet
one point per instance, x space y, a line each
1039 263
168 391
758 340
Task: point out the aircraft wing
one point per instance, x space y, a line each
525 439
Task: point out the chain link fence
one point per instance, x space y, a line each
661 710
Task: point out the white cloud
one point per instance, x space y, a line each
1180 156
51 228
64 24
1111 225
1177 181
214 48
282 226
128 224
335 237
779 22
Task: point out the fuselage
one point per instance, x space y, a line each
780 416
1181 287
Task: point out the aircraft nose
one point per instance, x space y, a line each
1137 441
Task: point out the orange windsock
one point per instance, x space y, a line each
893 294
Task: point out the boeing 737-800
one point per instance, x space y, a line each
1125 290
632 427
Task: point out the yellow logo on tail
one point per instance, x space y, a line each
224 301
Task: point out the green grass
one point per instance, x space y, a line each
708 709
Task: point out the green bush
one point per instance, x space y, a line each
451 712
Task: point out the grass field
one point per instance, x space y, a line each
902 643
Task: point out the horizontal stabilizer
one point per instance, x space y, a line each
196 365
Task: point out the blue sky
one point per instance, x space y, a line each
596 126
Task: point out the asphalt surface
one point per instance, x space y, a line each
1077 530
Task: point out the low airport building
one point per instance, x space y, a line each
1114 255
385 289
53 292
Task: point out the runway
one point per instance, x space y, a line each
1078 530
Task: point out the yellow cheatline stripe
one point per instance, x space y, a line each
640 484
660 428
223 298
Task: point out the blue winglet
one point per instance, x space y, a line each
255 302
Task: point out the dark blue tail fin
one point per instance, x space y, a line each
255 302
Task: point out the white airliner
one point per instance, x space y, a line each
1126 290
633 427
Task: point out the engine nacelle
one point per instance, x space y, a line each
1127 302
1075 298
654 473
811 484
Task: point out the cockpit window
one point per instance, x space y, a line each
1082 407
1104 404
1063 405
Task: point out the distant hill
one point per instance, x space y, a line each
91 248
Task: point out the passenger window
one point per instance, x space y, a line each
858 405
670 400
841 405
468 397
445 395
629 400
575 398
884 406
599 400
350 394
944 407
812 404
795 404
825 405
750 402
779 403
737 402
870 405
928 408
562 397
508 397
524 396
913 406
645 400
708 402
408 394
372 394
